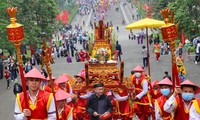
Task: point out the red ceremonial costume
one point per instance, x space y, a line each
115 113
82 55
65 111
124 109
80 109
173 104
155 93
68 110
160 103
80 106
179 113
40 107
157 51
63 79
142 107
47 87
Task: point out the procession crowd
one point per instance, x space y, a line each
160 100
157 100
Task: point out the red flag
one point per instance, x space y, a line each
32 50
176 82
65 17
183 37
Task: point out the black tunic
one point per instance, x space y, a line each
97 104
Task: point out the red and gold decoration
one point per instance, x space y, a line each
169 30
46 57
16 35
104 72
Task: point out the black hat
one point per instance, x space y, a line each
98 85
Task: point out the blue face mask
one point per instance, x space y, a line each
165 92
187 96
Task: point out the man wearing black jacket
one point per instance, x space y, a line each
99 105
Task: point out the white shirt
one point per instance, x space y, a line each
19 115
144 89
119 98
193 114
197 48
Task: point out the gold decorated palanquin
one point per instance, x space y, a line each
108 73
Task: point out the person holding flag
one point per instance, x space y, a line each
188 90
41 104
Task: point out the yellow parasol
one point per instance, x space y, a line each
146 23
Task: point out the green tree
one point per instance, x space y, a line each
37 16
187 12
4 21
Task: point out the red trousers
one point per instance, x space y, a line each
157 56
143 111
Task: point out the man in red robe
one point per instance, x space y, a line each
65 112
166 90
40 103
82 97
123 105
82 55
62 82
47 87
142 101
188 90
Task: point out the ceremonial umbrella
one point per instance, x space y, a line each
146 23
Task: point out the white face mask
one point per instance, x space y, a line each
138 74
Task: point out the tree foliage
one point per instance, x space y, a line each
186 11
37 16
4 21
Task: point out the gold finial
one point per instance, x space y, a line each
165 13
12 11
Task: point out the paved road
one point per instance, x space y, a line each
131 55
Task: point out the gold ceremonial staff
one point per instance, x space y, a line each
46 59
16 35
169 33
